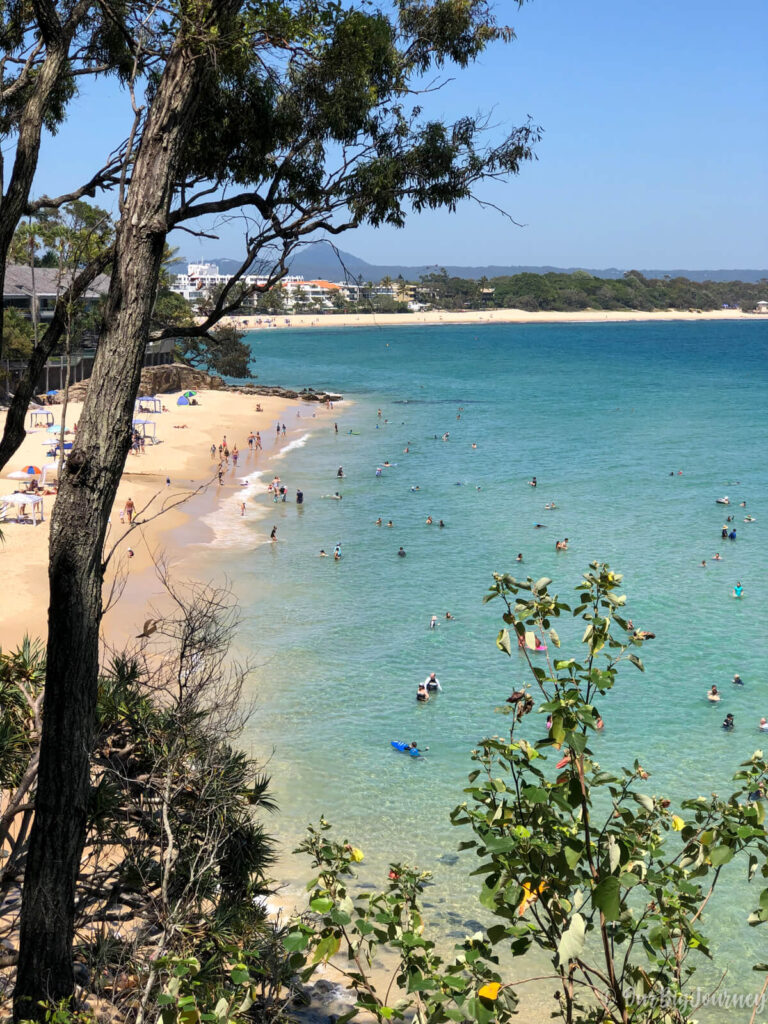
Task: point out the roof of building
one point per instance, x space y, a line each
18 281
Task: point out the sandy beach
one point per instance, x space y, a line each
477 316
185 436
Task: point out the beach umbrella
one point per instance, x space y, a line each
31 470
51 392
189 394
18 474
183 400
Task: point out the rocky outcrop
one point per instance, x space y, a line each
305 395
174 377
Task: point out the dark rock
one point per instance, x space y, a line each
172 377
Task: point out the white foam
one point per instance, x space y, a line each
299 442
230 529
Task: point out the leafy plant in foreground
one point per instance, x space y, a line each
586 864
606 877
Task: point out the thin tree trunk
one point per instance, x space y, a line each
14 202
14 432
88 487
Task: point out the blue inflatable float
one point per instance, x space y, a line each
406 748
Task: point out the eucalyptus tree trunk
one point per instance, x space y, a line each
13 202
88 487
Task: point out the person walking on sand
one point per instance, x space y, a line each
273 535
258 441
235 455
251 439
129 509
242 508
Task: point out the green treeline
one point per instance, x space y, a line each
580 290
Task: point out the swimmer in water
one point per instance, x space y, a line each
703 563
533 482
401 552
728 723
428 520
539 526
433 622
390 523
737 680
738 589
378 522
713 694
717 557
441 524
323 554
421 694
448 615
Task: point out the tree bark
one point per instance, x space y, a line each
14 202
78 526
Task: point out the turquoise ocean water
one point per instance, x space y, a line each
601 414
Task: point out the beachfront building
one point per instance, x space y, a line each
33 292
202 278
297 293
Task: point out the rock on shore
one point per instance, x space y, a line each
173 377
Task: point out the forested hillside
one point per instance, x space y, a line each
581 290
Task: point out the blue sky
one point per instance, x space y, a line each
655 152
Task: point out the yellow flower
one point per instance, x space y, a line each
490 991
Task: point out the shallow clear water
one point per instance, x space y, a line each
601 414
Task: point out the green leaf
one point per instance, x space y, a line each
321 904
573 853
295 941
326 948
719 855
239 975
645 802
541 584
605 896
572 941
557 732
503 642
636 661
554 637
535 794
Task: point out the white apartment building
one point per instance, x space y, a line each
203 277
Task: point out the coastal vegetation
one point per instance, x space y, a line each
302 118
584 861
580 290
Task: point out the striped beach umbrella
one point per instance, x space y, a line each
31 470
